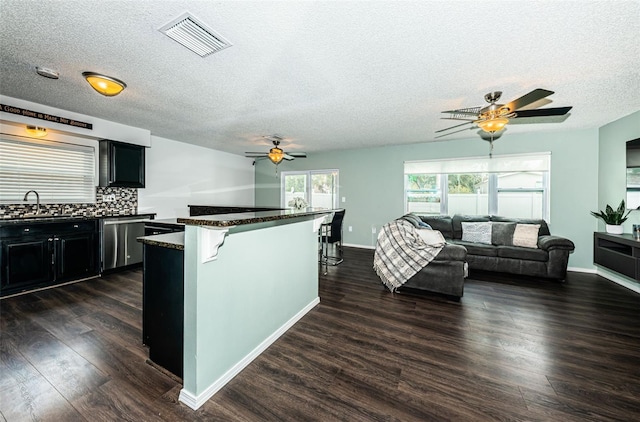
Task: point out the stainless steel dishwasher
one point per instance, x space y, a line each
119 245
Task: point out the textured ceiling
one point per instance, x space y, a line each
325 75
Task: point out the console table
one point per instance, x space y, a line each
617 252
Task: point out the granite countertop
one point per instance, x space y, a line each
46 218
167 240
237 219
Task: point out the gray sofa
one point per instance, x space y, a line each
547 259
444 275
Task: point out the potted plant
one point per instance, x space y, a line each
613 218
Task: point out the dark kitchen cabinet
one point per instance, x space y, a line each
34 255
163 306
121 164
25 262
75 256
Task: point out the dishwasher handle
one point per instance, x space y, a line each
123 221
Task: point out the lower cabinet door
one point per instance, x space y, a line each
25 263
75 256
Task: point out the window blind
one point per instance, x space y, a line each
497 164
59 172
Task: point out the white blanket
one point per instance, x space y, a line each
401 252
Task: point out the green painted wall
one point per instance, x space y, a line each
612 164
372 182
260 280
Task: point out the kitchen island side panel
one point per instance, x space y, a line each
260 280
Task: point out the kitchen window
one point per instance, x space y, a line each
59 172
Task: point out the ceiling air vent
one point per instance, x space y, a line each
194 35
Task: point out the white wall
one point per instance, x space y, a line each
180 174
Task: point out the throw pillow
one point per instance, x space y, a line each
526 235
431 237
423 225
477 232
502 233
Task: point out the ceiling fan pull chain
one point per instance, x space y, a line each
491 147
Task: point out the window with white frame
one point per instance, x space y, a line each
507 185
59 172
318 187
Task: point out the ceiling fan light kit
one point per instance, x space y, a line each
276 155
493 125
494 117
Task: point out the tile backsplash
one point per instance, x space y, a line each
125 202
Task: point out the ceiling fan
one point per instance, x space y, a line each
275 154
493 118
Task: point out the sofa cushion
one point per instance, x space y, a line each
528 254
458 219
502 233
526 235
544 228
442 223
431 237
477 248
476 232
452 252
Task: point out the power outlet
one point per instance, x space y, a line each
109 198
350 228
373 229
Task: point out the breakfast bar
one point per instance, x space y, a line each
247 278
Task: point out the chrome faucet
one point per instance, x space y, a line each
37 200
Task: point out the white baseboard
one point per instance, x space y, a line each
195 401
353 245
582 270
619 279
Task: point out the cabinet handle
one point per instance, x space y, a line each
50 239
75 226
56 238
26 230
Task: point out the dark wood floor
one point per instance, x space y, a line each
509 350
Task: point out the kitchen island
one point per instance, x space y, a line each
248 277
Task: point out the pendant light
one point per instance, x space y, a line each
105 85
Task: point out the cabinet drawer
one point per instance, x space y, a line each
34 229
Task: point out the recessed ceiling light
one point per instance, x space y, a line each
47 73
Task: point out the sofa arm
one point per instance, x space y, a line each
452 252
555 242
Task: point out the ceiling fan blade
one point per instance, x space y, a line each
535 95
453 127
472 111
455 131
288 157
297 154
541 112
255 154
